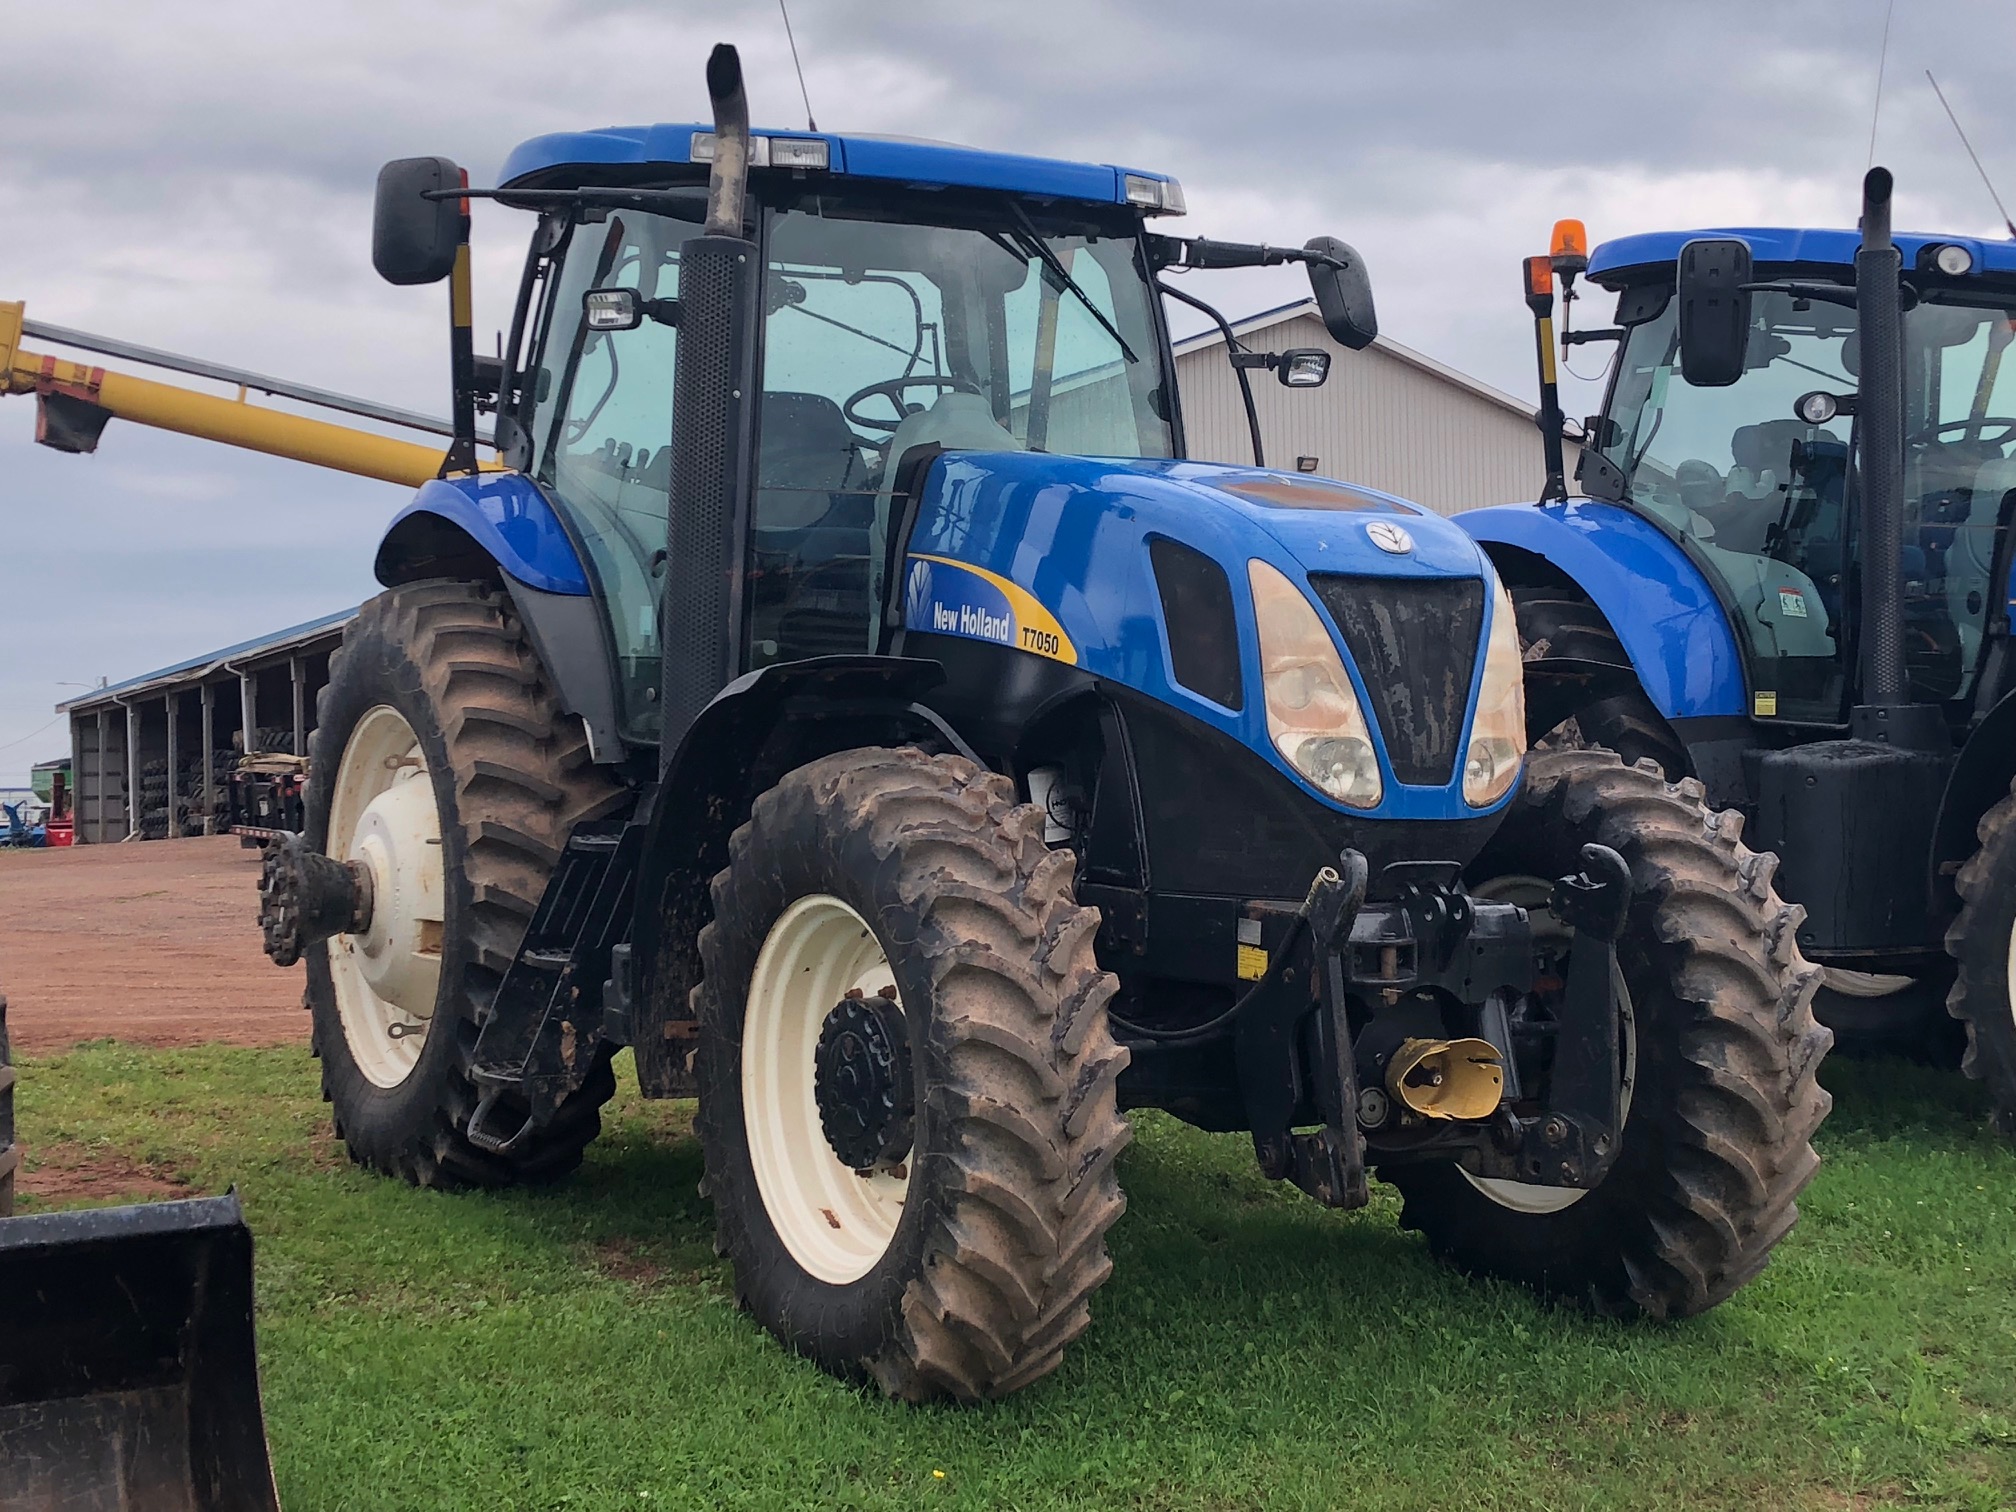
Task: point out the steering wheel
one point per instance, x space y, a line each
1926 435
892 390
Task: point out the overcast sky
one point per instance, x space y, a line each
198 178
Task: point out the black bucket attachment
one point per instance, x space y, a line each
128 1378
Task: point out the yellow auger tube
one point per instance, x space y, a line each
235 422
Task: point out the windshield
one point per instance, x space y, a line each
1763 497
890 326
983 331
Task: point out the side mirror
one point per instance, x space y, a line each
1343 292
1714 312
414 240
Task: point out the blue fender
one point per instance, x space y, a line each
1671 624
507 517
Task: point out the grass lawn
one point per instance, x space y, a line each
578 1347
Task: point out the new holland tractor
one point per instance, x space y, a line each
845 696
1789 577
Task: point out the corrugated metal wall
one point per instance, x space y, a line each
1380 420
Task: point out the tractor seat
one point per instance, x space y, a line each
957 422
807 453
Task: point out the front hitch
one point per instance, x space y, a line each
305 897
1295 1016
1575 1140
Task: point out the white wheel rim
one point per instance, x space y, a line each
1864 984
387 978
1533 894
2009 970
836 1224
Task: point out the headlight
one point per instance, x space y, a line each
1498 735
1313 714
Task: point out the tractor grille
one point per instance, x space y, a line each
1415 643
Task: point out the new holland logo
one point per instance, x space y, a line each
917 593
1389 537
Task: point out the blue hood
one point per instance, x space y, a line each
1050 555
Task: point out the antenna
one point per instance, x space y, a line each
1882 59
804 94
1985 183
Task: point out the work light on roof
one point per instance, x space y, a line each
1954 261
1157 196
769 151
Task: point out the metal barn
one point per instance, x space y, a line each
152 755
1389 417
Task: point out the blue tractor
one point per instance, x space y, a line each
1789 576
846 697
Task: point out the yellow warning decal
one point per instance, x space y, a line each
1252 963
1765 706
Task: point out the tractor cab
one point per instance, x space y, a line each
1750 461
913 298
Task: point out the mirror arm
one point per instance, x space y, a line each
1233 352
1200 252
1580 338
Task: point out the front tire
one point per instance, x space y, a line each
1982 943
1723 1097
914 888
443 761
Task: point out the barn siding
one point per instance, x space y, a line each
1380 420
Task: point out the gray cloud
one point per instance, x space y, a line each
198 178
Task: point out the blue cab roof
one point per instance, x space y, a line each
936 165
1777 244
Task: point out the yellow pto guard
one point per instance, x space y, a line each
127 1373
1462 1078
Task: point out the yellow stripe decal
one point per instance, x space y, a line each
952 598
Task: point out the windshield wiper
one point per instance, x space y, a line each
1032 244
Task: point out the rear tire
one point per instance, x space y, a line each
1716 1143
975 1272
1982 942
510 776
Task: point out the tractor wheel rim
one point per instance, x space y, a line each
2009 971
835 1223
1533 894
387 978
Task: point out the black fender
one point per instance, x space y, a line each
567 629
1980 780
756 729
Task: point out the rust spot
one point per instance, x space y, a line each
888 992
682 1029
567 1043
1310 493
852 993
430 937
835 1222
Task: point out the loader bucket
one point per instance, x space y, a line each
127 1373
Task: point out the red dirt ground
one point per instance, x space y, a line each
153 943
